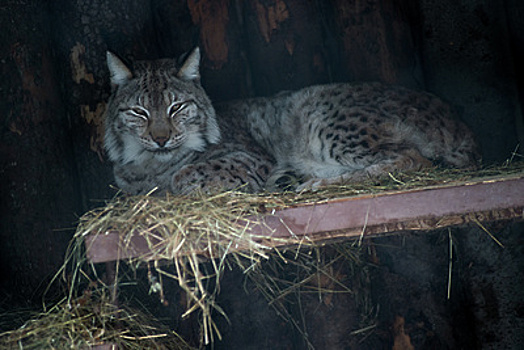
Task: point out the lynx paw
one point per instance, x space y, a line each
315 184
282 180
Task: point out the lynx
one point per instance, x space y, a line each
163 132
348 132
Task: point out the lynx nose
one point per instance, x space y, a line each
161 141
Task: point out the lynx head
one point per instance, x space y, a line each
158 110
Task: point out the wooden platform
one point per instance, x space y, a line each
428 208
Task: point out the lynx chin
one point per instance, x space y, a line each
163 132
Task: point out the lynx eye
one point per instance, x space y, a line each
139 112
177 107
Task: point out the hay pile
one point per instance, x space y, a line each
91 320
190 229
197 227
187 230
200 223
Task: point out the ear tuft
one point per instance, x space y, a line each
119 72
190 70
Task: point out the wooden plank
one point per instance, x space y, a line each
422 209
368 215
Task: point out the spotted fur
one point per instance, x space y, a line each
162 131
347 132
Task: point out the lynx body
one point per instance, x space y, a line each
163 132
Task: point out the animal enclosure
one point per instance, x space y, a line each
55 85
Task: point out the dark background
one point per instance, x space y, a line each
54 84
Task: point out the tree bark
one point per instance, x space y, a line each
38 174
83 31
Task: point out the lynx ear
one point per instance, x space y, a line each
119 73
191 66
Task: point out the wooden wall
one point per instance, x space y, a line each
55 83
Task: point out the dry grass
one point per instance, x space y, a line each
320 272
189 229
186 230
427 177
91 320
197 227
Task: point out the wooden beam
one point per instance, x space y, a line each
420 209
366 216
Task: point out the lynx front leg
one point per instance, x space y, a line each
238 170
